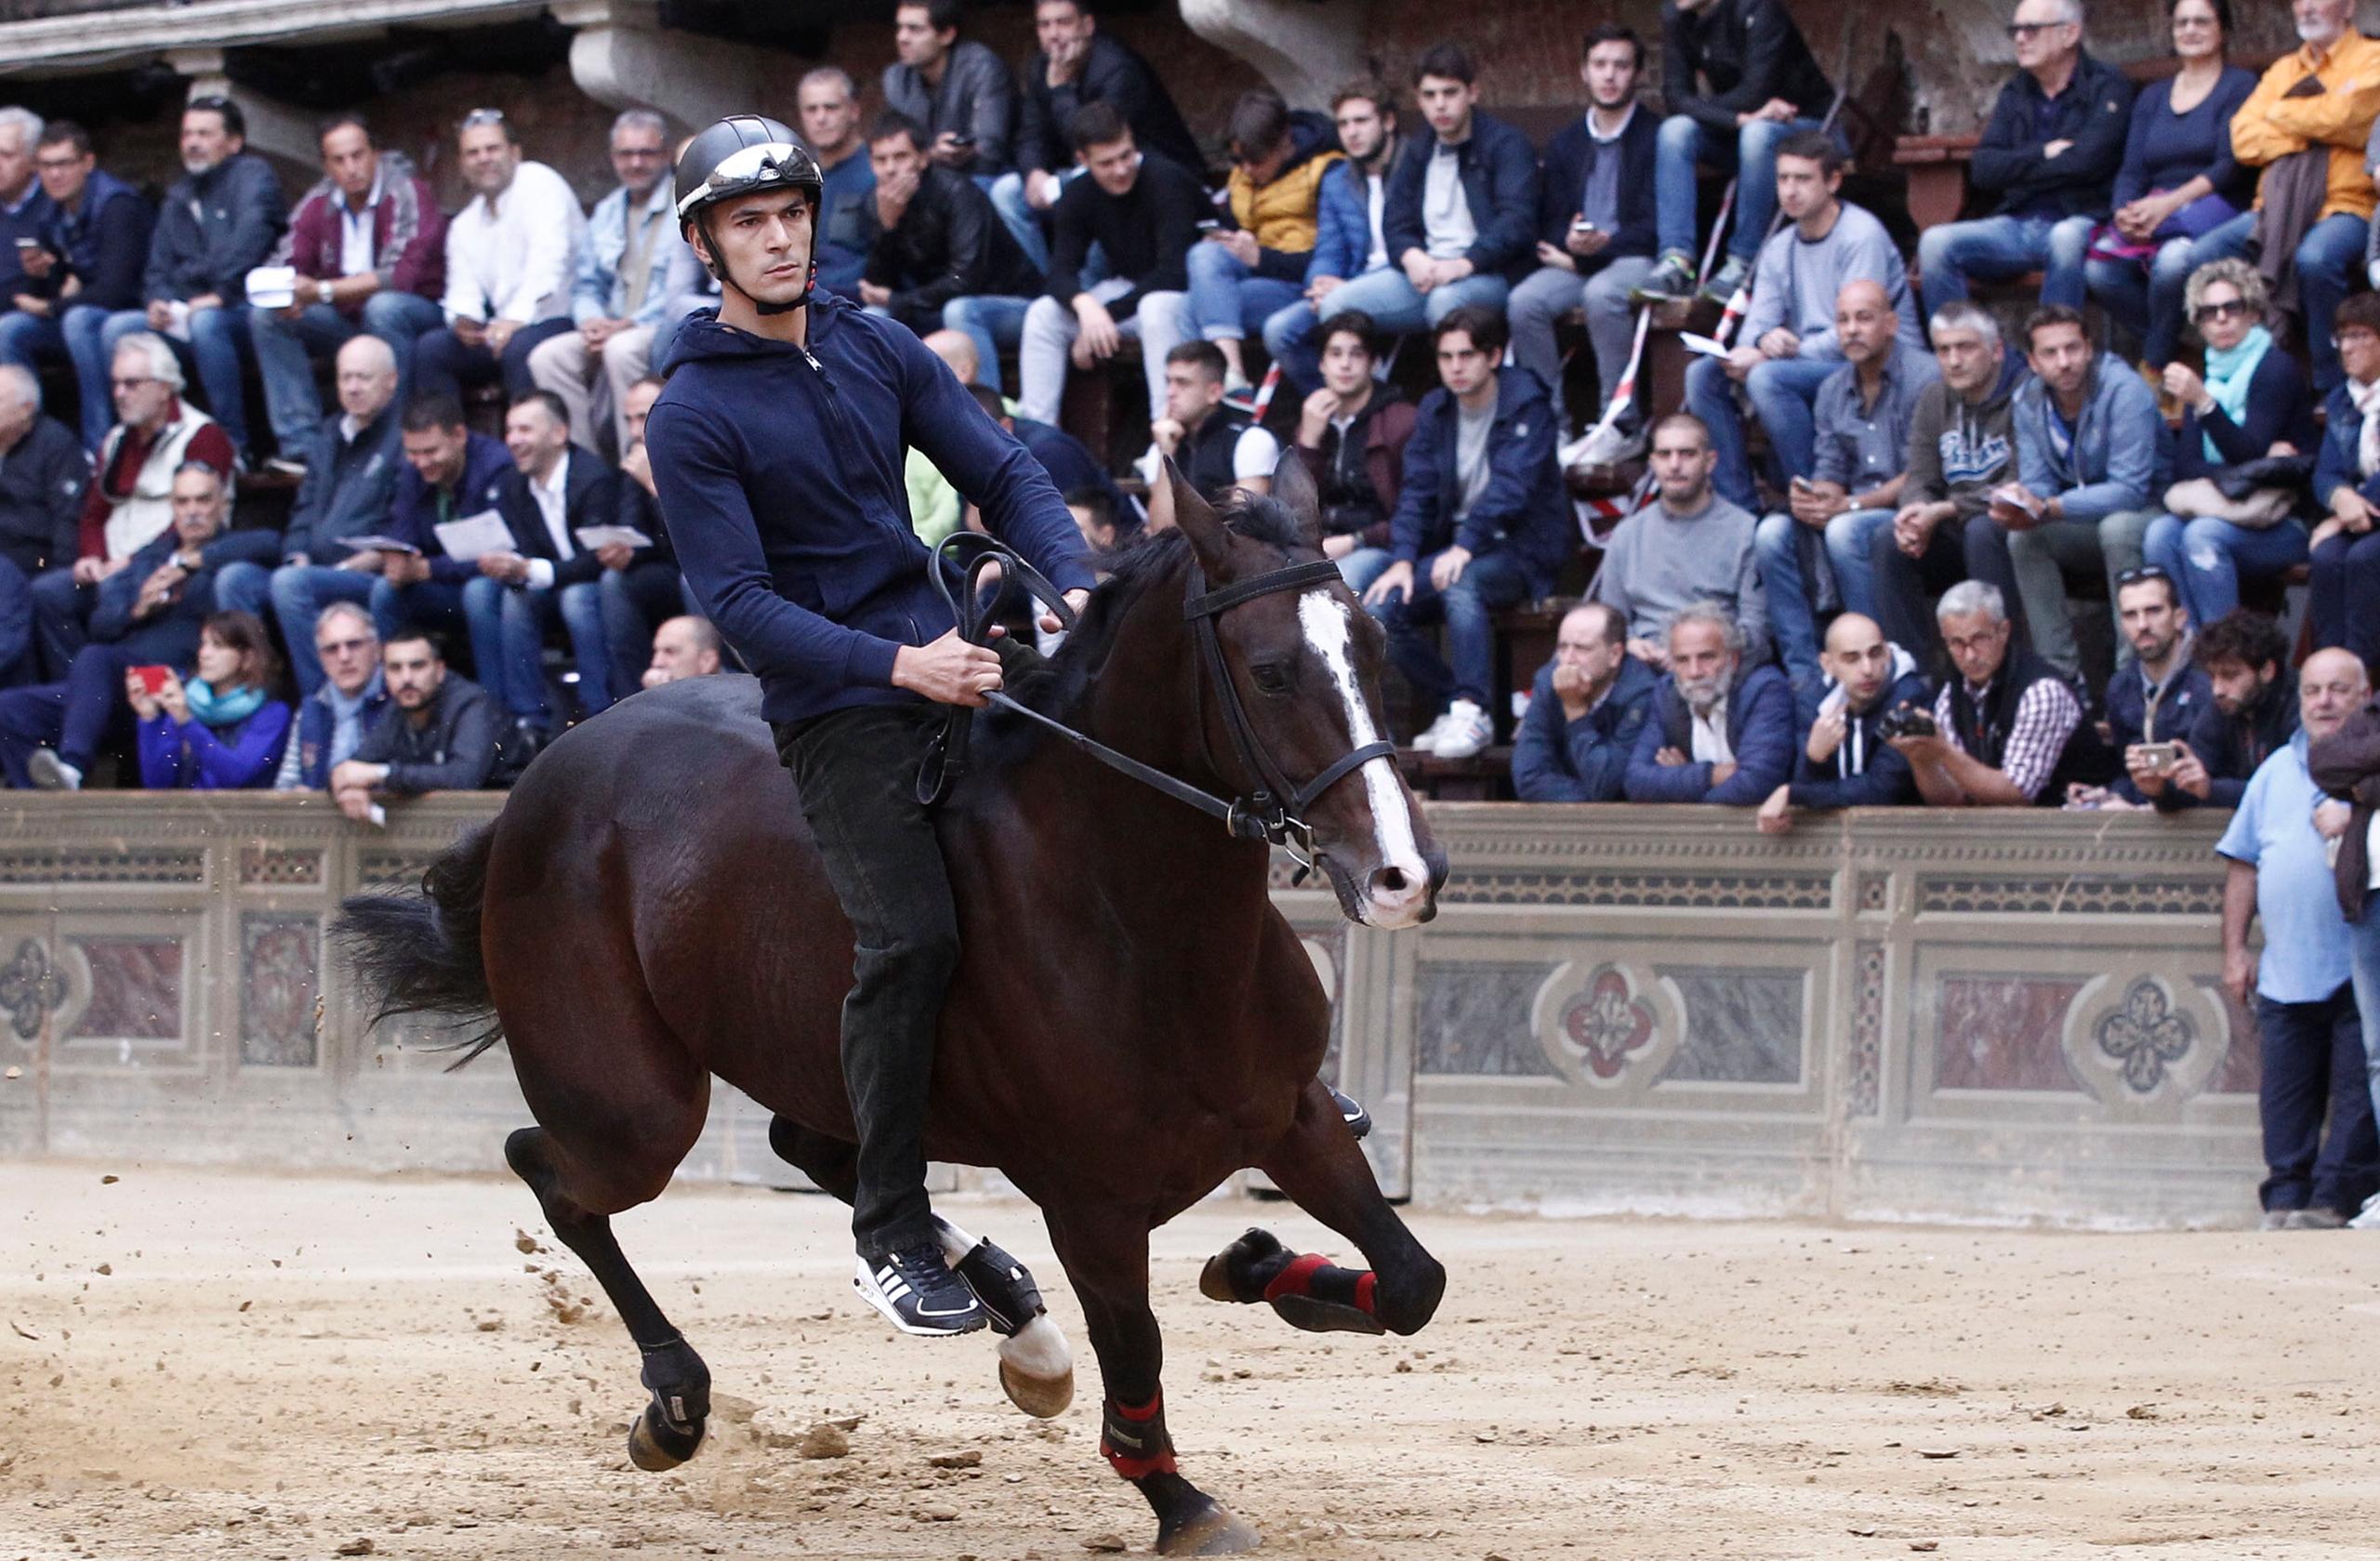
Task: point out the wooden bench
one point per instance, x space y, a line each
1487 776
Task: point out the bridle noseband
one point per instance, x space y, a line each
1273 807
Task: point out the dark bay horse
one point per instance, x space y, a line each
1132 1021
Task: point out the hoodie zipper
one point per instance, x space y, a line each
842 433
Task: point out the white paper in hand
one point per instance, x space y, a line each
474 537
377 544
1705 345
595 538
272 287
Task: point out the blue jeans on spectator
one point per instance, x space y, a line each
299 592
284 349
1363 565
1227 297
2343 597
1022 222
1288 340
2146 299
1781 391
2365 936
2206 558
992 320
507 626
62 620
1491 581
442 365
2314 1065
1996 248
430 604
1792 559
26 339
1396 306
219 348
75 715
1750 156
2327 258
1850 543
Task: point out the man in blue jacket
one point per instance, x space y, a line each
1481 521
1595 235
1844 760
219 221
450 475
335 719
351 481
778 448
1585 713
1349 240
2050 153
1720 732
1459 213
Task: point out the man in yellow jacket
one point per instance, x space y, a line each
2307 125
1241 275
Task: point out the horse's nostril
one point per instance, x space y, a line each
1389 880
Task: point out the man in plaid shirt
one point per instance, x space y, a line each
2005 723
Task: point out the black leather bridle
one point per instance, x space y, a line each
1273 807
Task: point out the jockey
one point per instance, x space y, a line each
777 450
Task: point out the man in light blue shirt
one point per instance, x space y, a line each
2312 1045
621 293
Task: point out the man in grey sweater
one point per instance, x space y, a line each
960 91
1789 342
1692 546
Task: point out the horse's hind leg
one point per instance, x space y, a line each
1036 1369
672 1427
1319 1167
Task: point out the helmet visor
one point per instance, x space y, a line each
744 171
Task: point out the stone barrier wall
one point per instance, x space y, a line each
1887 1014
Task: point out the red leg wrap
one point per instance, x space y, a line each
1133 1439
1364 1287
1298 1278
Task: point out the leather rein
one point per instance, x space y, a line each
1272 810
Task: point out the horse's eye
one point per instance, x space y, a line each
1270 678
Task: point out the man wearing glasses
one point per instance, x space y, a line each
621 294
512 257
2050 153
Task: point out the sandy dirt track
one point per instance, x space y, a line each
201 1363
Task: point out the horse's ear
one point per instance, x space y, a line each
1293 488
1173 502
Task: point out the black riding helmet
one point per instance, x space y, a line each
743 155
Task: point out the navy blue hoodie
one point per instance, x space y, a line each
779 471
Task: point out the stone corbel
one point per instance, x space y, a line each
623 58
1303 48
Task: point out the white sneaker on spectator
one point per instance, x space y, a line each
2368 1218
1427 738
51 773
1468 732
1602 446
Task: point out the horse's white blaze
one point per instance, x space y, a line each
1331 633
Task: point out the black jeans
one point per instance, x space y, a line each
857 770
2314 1066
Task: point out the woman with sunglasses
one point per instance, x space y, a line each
2179 182
2251 403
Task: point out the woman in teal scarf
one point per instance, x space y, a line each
221 730
2252 401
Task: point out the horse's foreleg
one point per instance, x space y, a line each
1319 1167
672 1427
1106 1254
1037 1370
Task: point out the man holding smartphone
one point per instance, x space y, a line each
1595 233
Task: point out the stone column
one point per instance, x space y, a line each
1303 48
623 58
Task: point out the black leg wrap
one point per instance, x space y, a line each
1002 1285
680 1383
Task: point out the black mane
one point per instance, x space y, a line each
1147 560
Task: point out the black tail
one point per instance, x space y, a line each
419 952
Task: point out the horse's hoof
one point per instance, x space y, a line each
1042 1397
1215 1281
1211 1531
655 1445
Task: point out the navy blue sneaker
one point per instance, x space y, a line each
918 1293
